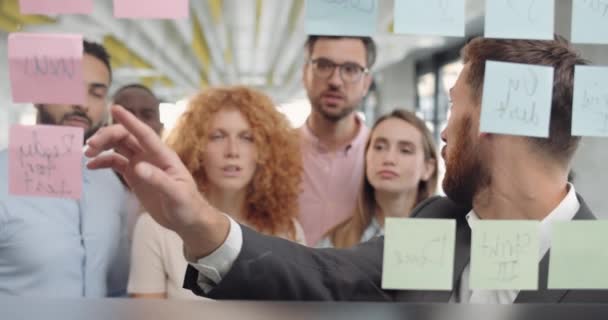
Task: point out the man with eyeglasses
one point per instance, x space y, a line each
336 77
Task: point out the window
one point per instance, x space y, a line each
435 77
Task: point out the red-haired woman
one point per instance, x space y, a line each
245 159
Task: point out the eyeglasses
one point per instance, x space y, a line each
349 71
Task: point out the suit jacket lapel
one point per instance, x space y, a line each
544 295
463 252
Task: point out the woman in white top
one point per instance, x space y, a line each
245 159
400 172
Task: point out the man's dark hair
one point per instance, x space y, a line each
557 53
134 86
99 52
368 42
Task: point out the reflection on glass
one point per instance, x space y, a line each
435 113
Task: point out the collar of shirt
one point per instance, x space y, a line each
310 138
565 211
373 230
86 172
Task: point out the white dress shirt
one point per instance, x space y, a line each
215 266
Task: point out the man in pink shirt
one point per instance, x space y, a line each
336 76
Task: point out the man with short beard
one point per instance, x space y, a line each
489 176
54 247
336 76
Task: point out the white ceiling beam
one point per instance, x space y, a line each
292 50
273 34
210 30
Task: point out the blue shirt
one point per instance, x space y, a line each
55 247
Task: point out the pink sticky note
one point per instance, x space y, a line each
56 6
151 9
45 161
46 68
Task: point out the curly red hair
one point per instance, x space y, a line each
272 197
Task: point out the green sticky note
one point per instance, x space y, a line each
418 254
579 255
504 255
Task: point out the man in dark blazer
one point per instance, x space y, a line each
488 176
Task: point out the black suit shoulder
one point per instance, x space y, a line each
439 208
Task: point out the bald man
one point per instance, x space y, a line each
141 102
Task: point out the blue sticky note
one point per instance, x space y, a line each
589 21
516 99
590 103
430 17
519 19
339 17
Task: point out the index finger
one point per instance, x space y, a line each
109 138
147 138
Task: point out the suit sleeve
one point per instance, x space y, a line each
269 268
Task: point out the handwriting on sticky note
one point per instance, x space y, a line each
43 66
579 255
431 253
45 161
504 255
46 68
341 17
151 9
56 6
418 254
523 84
519 19
590 101
435 17
516 99
590 21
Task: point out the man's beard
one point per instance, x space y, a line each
336 117
466 173
46 118
329 116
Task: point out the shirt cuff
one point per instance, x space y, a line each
212 268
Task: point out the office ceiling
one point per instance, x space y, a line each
253 42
